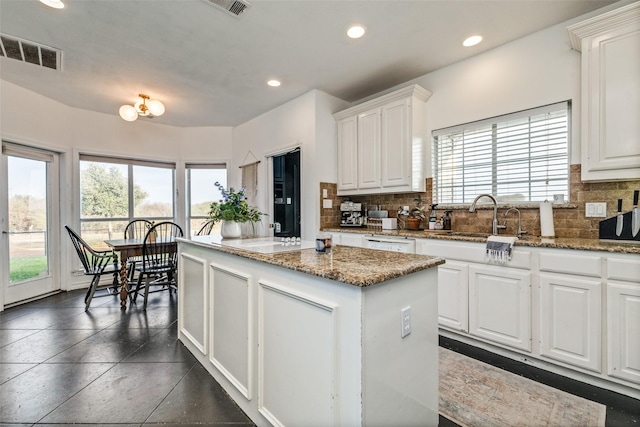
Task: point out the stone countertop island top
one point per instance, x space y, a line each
353 266
531 241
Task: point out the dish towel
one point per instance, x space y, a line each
499 248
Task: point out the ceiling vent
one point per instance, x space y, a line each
232 7
26 51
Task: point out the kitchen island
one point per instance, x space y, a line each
297 337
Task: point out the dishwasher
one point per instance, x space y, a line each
400 244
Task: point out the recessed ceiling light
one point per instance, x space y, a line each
356 31
273 83
56 4
472 41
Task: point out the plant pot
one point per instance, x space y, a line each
231 230
413 223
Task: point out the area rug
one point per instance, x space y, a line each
475 394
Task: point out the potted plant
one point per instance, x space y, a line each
233 210
416 214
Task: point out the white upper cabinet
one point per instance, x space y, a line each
347 153
368 148
610 46
381 144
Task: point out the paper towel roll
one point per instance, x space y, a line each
546 220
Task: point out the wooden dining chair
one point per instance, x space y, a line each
96 264
206 228
136 229
159 260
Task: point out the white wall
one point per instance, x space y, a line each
28 117
32 119
306 122
536 70
533 71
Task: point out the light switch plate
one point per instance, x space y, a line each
595 210
324 193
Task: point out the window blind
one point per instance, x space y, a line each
520 157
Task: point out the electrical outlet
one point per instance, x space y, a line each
405 315
595 210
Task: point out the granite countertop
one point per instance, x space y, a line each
531 241
354 266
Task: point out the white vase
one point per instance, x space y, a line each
231 230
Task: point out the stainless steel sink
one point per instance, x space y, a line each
484 235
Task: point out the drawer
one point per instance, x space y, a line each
470 252
623 269
566 262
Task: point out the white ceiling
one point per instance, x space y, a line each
210 68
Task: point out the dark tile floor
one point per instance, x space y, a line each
62 365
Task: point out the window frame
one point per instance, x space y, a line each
491 125
189 218
130 163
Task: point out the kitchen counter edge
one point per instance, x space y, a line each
558 243
353 266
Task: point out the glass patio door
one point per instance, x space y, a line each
28 214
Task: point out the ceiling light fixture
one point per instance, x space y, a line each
356 31
56 4
273 83
146 108
472 41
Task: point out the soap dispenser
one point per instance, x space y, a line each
432 217
446 222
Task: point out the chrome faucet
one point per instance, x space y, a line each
520 230
495 226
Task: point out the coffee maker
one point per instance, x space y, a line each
351 215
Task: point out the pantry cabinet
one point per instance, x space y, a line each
610 91
381 144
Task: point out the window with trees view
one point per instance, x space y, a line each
115 191
519 157
202 191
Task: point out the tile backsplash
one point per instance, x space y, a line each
569 219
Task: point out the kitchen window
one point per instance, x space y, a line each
202 191
114 191
520 157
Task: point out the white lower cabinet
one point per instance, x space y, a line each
500 305
347 239
576 311
623 319
570 319
624 337
453 295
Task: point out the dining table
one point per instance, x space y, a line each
130 248
127 248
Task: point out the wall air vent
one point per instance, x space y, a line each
232 7
27 51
